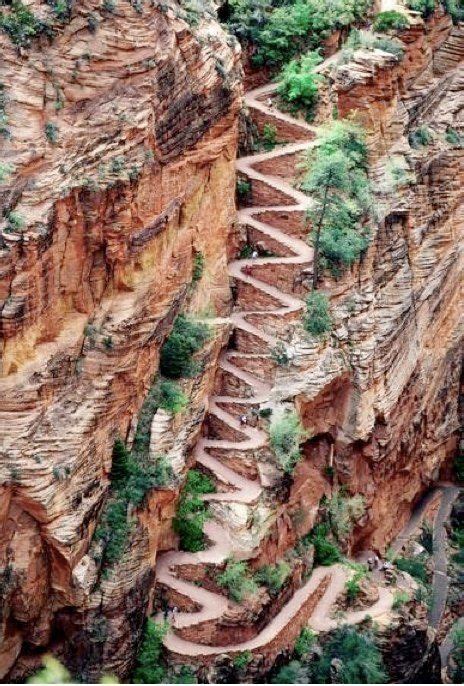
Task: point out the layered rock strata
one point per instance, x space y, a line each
120 152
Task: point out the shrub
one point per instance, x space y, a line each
198 266
395 47
326 552
6 170
298 83
15 221
455 9
304 642
317 320
243 188
343 512
416 567
352 586
420 137
273 576
286 433
130 482
457 656
192 511
169 396
459 465
235 578
186 338
400 598
336 178
148 667
242 660
293 673
269 137
425 7
21 24
51 132
360 659
390 21
280 355
52 672
185 676
453 137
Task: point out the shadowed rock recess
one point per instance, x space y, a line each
118 176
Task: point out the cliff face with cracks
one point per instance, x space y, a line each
120 153
381 397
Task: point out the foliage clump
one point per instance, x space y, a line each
186 338
424 7
237 580
391 20
273 576
336 179
192 511
130 482
170 397
299 83
21 24
317 320
149 668
420 137
457 656
286 434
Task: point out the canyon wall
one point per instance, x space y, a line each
380 398
120 146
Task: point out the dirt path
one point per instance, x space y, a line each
253 340
212 606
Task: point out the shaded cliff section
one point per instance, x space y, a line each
121 142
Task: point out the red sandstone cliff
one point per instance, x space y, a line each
139 177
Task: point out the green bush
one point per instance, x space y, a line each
237 580
304 642
6 170
400 598
459 465
391 21
286 434
425 7
198 267
243 188
130 482
326 552
148 667
169 396
299 83
21 24
395 47
317 320
269 137
416 567
273 576
457 656
292 673
343 512
242 660
336 179
15 222
186 338
51 132
455 9
361 660
353 585
454 138
420 137
192 511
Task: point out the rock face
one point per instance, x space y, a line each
381 400
121 156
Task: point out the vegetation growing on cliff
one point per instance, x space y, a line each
237 580
280 30
192 511
349 656
299 83
286 435
130 482
177 354
336 179
391 20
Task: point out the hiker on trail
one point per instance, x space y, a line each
270 104
370 563
243 419
254 254
376 562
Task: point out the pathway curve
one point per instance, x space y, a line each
254 338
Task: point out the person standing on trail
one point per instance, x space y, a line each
254 254
243 419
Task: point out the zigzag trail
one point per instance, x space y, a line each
243 490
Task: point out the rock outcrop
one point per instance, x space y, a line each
121 144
